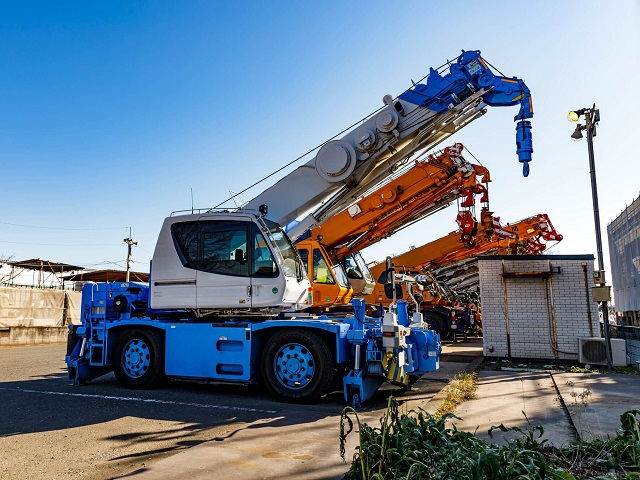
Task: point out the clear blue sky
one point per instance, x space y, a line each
111 112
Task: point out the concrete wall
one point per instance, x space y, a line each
10 336
522 298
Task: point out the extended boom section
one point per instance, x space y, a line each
420 118
331 251
420 191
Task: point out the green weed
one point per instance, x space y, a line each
461 387
418 445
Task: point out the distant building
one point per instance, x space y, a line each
624 250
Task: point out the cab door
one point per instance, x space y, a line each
173 279
267 285
223 277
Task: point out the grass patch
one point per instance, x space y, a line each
626 370
577 369
461 387
418 445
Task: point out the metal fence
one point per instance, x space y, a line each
625 331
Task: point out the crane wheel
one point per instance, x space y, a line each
138 361
297 366
435 323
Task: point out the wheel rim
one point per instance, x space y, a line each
294 366
136 358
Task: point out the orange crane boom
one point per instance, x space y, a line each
526 237
330 251
426 187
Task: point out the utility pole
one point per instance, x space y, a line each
129 243
602 292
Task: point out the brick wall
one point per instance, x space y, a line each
523 295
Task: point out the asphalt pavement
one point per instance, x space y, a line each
566 405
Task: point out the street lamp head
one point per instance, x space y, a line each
577 134
574 115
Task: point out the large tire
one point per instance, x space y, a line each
436 323
138 361
297 366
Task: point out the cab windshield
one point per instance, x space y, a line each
343 281
291 263
364 270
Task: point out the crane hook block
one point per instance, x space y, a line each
524 144
470 74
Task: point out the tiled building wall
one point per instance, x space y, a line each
520 303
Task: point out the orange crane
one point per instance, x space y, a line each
331 251
526 237
426 187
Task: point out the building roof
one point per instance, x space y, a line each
45 265
106 276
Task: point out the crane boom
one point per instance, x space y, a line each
418 119
526 237
420 191
522 237
427 186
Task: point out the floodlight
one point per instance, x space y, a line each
577 134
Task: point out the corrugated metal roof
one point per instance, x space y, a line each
46 265
107 276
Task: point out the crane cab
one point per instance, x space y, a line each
358 274
331 287
226 262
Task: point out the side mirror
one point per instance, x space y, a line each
389 270
238 256
388 291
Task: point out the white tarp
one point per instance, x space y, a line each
34 307
74 299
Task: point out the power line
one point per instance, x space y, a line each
323 143
61 228
63 244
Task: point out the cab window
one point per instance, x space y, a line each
321 271
263 264
213 246
185 238
304 256
352 269
291 265
224 251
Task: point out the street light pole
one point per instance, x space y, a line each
591 128
592 117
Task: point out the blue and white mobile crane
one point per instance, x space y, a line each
227 288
